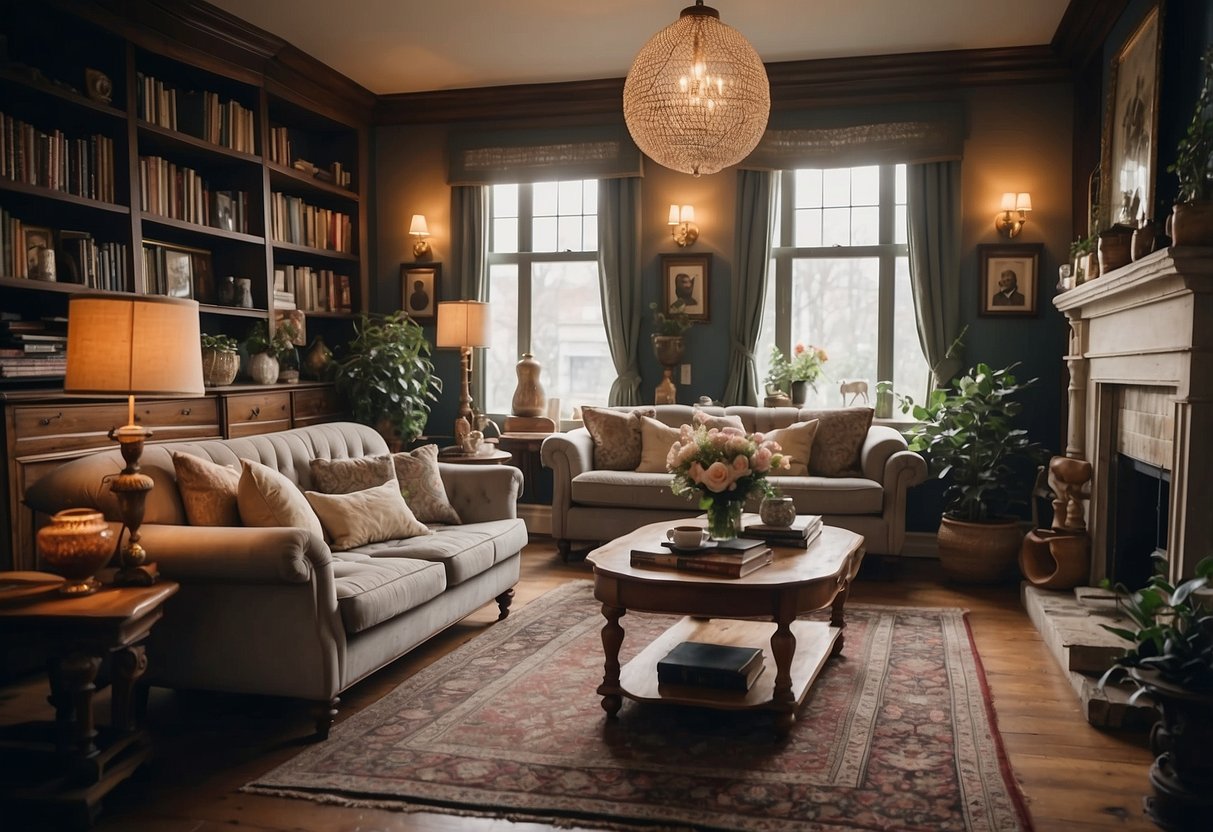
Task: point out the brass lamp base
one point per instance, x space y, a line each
130 487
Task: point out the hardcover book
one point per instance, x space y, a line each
722 666
724 565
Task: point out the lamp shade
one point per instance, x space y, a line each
463 323
697 98
418 226
1023 202
146 345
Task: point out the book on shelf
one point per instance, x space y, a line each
803 531
700 664
719 564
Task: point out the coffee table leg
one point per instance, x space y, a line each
837 619
612 640
783 646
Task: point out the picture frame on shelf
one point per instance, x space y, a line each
1129 150
687 278
1008 280
225 212
39 252
178 273
419 290
204 289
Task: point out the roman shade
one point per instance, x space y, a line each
488 157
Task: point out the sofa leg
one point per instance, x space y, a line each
326 713
503 603
563 547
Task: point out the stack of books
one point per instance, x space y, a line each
803 531
722 558
721 666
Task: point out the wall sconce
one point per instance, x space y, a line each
419 229
682 225
1014 213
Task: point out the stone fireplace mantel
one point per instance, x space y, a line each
1141 383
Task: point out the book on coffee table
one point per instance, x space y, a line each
722 666
709 562
803 531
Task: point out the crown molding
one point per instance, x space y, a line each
1084 28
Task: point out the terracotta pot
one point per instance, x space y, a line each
669 349
1055 560
979 553
219 368
1192 224
529 398
1143 240
1115 248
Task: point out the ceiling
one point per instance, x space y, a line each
396 46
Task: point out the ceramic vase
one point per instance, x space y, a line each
263 368
76 544
529 399
800 392
316 359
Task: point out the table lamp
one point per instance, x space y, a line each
463 324
132 345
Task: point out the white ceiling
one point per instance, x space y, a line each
391 46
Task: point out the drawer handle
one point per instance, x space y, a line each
255 412
46 420
185 411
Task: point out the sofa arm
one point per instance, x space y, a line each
567 455
481 493
879 446
236 554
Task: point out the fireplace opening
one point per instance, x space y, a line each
1140 509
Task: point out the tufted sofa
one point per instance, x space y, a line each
590 504
273 610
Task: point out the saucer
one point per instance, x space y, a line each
702 547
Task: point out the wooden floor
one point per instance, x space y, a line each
1075 777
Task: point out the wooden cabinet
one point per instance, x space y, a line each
42 431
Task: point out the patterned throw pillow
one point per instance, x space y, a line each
717 421
208 490
369 516
341 476
839 440
655 439
267 498
616 435
422 486
797 442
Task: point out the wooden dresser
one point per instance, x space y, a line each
43 429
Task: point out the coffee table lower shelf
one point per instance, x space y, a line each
814 643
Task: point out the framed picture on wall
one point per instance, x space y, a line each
685 277
419 290
1008 279
1130 130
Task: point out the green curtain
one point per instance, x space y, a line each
756 198
619 282
470 240
933 208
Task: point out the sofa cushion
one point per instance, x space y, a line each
709 420
208 490
616 436
373 590
367 516
797 442
833 495
422 485
839 439
627 489
342 476
267 498
464 551
655 441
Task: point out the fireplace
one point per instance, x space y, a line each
1140 503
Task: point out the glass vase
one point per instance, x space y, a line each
724 519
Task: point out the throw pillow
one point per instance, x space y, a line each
797 442
422 486
840 437
711 421
616 435
369 516
341 476
656 438
266 497
208 490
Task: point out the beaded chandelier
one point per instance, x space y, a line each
697 97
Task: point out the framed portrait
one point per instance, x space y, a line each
1008 279
178 273
39 253
202 277
1130 131
419 290
686 278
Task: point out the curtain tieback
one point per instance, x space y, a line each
743 350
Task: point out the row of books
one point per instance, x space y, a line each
734 558
32 348
312 290
181 193
295 221
66 256
281 153
201 114
176 272
79 166
16 364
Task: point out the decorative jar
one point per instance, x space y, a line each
263 368
777 511
76 544
219 367
529 398
724 519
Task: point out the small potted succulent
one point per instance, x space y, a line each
220 360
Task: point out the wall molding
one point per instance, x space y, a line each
1084 28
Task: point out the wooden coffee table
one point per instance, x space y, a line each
797 581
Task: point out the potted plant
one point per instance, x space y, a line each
794 377
265 351
1082 255
1171 663
967 433
670 326
220 359
1192 214
387 379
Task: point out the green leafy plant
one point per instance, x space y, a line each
1083 245
1193 164
968 434
387 378
1174 629
219 343
805 365
280 344
673 321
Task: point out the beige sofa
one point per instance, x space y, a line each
273 610
591 505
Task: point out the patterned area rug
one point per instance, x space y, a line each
896 735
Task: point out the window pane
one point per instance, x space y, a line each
570 234
543 199
865 226
589 200
505 236
899 224
836 187
808 189
899 184
505 200
570 197
911 375
497 368
589 240
766 335
865 185
836 227
808 227
835 306
543 234
567 334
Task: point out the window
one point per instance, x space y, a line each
543 291
842 280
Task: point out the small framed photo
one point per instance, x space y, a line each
178 273
225 213
1008 279
419 290
39 253
203 278
685 277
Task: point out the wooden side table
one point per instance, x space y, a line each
524 445
496 457
66 771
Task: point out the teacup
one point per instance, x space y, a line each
687 537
